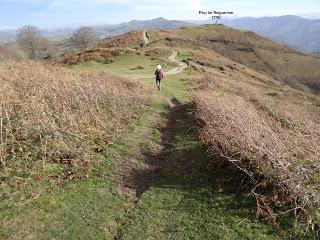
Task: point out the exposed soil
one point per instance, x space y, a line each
138 173
181 65
145 38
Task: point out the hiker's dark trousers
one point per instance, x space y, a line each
158 82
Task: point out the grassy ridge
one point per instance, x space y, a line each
251 117
130 65
181 204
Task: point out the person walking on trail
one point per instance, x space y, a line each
159 75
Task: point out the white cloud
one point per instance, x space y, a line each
173 9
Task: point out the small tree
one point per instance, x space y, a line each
84 37
29 38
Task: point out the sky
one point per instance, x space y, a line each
70 13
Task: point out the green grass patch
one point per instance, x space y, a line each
126 65
185 203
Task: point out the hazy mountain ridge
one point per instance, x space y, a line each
293 31
105 31
301 33
312 15
161 23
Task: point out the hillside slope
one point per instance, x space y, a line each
210 42
281 63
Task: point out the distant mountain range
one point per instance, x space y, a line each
293 31
312 15
105 31
161 23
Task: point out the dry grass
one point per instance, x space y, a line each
7 52
50 114
271 133
102 55
123 41
106 51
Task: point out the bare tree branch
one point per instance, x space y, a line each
29 38
83 38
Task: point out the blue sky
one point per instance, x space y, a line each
61 13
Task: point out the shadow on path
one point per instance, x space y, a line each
141 178
180 155
181 196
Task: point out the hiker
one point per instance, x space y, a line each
159 75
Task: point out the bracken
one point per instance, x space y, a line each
271 137
52 114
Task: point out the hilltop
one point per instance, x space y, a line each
136 25
208 43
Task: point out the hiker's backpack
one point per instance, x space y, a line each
159 74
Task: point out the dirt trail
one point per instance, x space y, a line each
181 67
172 58
145 38
137 173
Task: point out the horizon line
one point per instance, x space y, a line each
75 25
